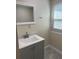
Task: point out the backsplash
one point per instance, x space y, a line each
22 29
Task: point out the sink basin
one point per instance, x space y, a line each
29 41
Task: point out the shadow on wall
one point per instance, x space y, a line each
56 40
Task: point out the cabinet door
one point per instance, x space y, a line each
27 53
39 50
35 51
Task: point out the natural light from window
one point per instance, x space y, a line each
58 17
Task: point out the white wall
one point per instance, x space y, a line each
56 40
42 18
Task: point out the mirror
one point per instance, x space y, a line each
24 13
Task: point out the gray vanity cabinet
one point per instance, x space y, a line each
35 51
39 50
27 53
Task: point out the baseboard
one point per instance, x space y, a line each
57 50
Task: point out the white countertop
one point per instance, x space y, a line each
29 41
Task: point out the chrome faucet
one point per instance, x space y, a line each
26 35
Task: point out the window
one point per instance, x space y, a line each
58 16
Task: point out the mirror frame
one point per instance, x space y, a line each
26 4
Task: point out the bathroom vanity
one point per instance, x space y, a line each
32 47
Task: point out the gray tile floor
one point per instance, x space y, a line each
51 54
